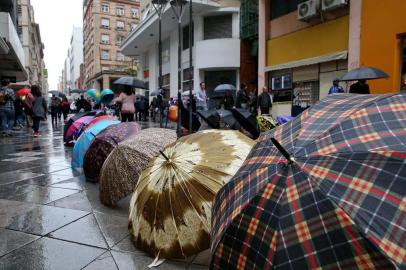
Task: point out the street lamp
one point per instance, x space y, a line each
159 6
178 10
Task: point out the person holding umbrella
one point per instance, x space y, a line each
127 100
39 109
228 101
360 87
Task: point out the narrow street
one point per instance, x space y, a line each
51 218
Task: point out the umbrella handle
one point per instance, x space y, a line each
282 150
163 154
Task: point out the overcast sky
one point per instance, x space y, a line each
56 19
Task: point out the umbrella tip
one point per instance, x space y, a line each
283 151
163 154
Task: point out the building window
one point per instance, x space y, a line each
120 40
105 55
120 25
134 12
120 11
104 68
105 39
166 51
105 23
283 7
105 8
166 81
281 86
120 56
187 79
185 38
218 27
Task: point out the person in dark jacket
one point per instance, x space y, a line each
39 109
228 101
265 101
360 87
243 99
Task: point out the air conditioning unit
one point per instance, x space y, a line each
308 10
327 5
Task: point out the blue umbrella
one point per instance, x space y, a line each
86 138
106 96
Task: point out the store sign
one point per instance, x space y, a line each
282 82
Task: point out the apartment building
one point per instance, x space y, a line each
76 57
105 26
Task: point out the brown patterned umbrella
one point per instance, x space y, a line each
123 166
171 207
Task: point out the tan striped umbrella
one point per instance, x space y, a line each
171 206
124 165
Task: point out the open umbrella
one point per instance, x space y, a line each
247 121
94 94
83 143
324 191
185 115
102 146
224 87
98 119
154 93
364 73
75 130
57 94
73 119
106 96
123 166
266 122
219 119
23 92
170 208
77 91
131 81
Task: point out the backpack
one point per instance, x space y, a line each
3 97
55 102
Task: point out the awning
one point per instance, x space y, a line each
310 61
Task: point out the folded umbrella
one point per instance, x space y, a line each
247 121
131 81
123 166
364 73
83 143
170 207
103 144
75 130
324 191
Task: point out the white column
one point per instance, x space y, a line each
174 63
354 39
153 68
263 33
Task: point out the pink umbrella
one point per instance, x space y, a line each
99 118
76 129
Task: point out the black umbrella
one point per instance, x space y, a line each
219 119
131 81
57 94
185 118
248 121
364 73
77 91
224 88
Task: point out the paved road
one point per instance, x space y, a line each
51 218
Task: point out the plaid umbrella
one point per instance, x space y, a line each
103 144
329 192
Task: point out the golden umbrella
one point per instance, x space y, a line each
170 209
122 168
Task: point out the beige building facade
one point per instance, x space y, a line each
105 26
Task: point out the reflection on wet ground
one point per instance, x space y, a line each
51 218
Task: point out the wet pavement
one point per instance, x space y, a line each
51 218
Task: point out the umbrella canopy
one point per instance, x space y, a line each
185 115
77 91
154 93
102 146
123 166
364 73
57 94
83 143
76 129
106 96
98 119
266 122
224 88
131 81
186 93
219 119
170 208
94 94
324 191
23 92
247 121
73 119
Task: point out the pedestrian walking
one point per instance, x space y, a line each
65 108
55 106
127 100
242 99
336 88
7 98
360 87
19 113
202 98
39 109
265 101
